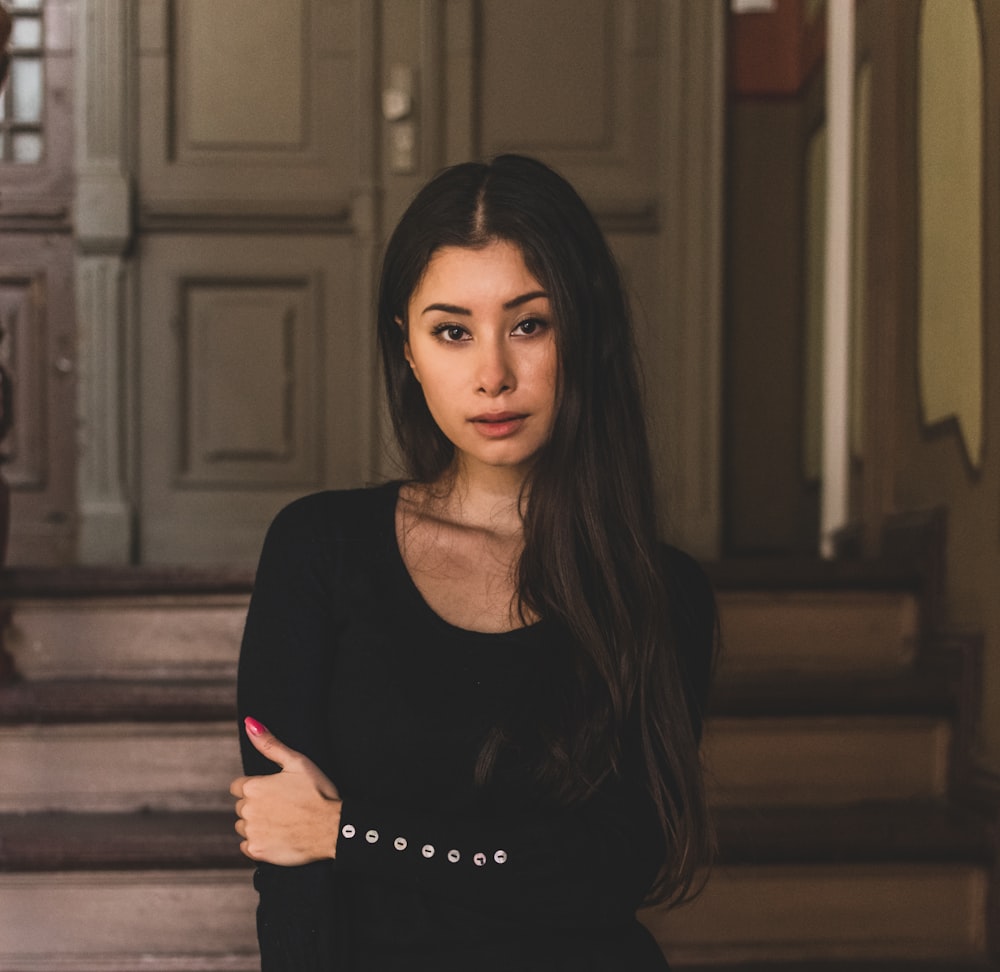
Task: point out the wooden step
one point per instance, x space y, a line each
117 766
163 636
848 965
122 921
851 894
928 689
796 913
891 832
121 766
117 700
81 919
818 631
149 840
114 625
834 759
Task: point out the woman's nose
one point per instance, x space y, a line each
496 371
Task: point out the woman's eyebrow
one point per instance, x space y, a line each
447 309
509 305
524 298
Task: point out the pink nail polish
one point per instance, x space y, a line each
254 727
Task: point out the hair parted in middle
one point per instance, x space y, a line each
591 560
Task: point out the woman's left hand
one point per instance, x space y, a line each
291 817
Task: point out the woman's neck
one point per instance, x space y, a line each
488 498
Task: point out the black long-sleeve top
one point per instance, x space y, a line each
344 661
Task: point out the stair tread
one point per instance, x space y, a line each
925 691
811 574
117 700
48 701
922 832
55 582
848 965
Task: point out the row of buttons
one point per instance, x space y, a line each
428 850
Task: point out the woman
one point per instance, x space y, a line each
486 683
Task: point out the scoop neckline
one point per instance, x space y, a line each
392 490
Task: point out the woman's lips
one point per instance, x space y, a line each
497 425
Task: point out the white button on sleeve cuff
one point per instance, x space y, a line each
348 830
372 836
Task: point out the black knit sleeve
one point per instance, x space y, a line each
285 665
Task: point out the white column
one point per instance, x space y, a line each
103 224
835 509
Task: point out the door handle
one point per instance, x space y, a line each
399 113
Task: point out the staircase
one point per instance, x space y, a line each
117 746
829 752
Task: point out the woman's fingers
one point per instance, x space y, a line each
289 817
268 745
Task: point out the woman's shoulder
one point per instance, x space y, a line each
345 509
694 616
686 579
320 525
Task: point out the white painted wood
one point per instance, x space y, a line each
285 142
136 637
813 632
118 767
170 921
812 761
687 384
860 912
835 493
204 503
103 231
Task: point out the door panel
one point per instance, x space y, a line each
249 109
250 360
574 82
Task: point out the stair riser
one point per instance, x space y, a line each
832 760
118 767
863 912
129 766
850 631
120 922
163 637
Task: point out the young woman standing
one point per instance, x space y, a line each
483 685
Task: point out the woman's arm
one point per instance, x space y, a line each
285 668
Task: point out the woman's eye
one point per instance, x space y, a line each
530 326
450 332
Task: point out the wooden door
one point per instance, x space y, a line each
254 261
268 178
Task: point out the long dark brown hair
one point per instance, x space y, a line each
591 560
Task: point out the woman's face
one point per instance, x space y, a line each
481 341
